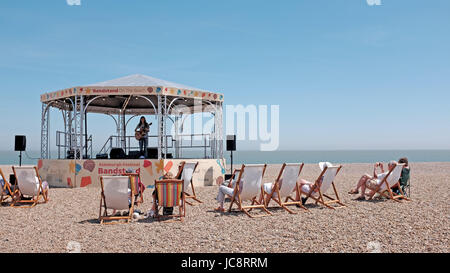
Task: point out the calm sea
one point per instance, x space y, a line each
278 157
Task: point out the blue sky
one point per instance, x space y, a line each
346 75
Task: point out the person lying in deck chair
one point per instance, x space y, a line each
371 182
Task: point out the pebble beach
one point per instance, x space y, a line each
71 218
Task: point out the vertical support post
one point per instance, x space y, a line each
45 132
177 150
160 127
81 131
124 133
68 132
121 131
166 148
77 131
85 134
219 131
75 126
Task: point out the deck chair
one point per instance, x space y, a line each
170 195
187 175
250 178
327 177
135 178
405 182
288 177
389 181
115 195
6 192
28 184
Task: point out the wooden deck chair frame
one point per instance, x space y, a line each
18 202
321 198
233 175
390 194
192 196
182 207
257 202
5 190
140 200
276 195
103 214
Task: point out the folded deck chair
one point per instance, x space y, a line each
405 182
187 177
250 183
170 195
139 188
318 191
6 191
389 181
116 194
28 184
288 178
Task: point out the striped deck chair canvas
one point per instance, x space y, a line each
139 187
170 195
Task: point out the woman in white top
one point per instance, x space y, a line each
371 182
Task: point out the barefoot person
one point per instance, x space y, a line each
371 182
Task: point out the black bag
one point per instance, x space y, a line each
167 211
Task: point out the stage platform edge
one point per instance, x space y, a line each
86 173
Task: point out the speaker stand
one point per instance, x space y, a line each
231 162
20 159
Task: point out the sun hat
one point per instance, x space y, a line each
322 165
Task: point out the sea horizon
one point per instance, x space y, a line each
282 156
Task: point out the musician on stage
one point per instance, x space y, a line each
141 131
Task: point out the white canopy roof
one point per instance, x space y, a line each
142 80
133 85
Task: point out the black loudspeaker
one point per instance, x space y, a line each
231 143
117 153
71 154
12 179
152 153
134 155
101 156
21 143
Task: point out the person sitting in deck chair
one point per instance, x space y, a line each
227 189
166 211
371 182
404 178
306 185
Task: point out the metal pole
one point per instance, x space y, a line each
86 133
160 127
231 162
